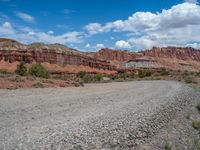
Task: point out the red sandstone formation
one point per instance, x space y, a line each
175 57
171 57
59 58
115 56
12 51
179 53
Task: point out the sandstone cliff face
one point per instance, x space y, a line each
185 58
170 57
106 59
116 55
12 51
180 53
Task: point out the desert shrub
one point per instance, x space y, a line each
196 124
132 75
21 69
112 76
38 70
81 74
144 73
121 76
164 71
88 78
98 77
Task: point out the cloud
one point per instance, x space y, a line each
122 44
50 32
94 47
6 29
69 37
95 28
195 45
178 25
28 35
26 17
178 16
99 46
88 45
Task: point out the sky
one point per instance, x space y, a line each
89 25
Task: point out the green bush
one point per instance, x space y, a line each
88 78
112 76
144 73
81 74
122 76
38 70
132 75
98 77
21 69
163 71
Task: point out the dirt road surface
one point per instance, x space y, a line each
119 115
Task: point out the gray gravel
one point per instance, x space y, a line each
121 115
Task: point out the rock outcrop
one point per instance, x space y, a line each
115 55
68 59
12 51
180 53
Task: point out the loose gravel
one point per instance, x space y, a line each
123 115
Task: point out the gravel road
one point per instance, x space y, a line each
119 115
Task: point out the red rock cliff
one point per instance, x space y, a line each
180 53
115 55
12 51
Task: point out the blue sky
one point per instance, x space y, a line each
89 25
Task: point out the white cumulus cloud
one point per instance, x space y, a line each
6 29
99 46
122 44
26 17
176 26
28 35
